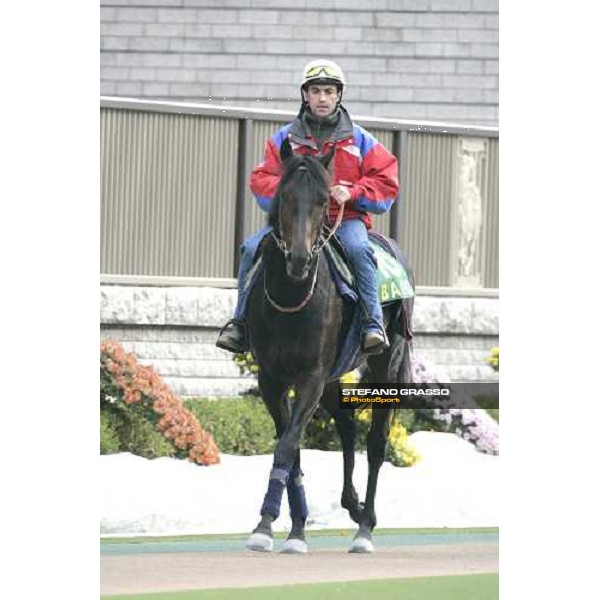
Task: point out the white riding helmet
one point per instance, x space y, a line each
323 71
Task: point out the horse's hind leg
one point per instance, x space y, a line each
346 428
392 366
376 445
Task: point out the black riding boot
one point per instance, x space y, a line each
233 337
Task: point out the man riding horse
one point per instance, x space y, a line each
364 180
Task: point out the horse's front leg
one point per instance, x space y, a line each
308 394
376 445
296 540
271 391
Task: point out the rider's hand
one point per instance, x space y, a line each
340 193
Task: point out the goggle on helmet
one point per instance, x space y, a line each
322 72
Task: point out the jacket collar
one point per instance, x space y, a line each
299 133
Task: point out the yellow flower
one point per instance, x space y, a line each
401 453
364 416
350 377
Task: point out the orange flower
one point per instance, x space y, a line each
141 383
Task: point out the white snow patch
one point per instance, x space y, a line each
453 485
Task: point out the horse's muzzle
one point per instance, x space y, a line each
298 266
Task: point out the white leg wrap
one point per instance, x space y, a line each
361 546
260 542
294 546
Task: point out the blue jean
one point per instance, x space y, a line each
355 240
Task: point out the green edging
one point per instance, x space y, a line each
483 586
282 535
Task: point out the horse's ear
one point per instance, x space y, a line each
286 150
326 159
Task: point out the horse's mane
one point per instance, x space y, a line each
315 171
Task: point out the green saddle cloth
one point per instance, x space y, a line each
392 278
393 282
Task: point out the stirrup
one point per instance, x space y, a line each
230 343
376 347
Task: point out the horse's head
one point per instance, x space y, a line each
300 208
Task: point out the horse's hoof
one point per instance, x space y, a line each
294 546
362 546
260 542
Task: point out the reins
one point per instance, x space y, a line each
332 231
299 307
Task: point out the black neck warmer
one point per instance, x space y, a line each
321 127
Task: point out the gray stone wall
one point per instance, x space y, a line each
409 59
175 329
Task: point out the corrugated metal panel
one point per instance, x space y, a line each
381 223
168 193
263 130
491 225
428 206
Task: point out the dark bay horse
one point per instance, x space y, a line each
296 323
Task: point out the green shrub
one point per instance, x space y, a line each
494 413
240 426
321 434
139 436
109 434
131 431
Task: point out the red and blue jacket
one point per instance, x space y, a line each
360 163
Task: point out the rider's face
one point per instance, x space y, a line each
322 99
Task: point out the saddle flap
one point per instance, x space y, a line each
338 260
393 281
256 267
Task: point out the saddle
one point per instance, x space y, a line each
393 281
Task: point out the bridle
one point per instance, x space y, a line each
320 241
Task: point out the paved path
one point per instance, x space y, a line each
149 571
